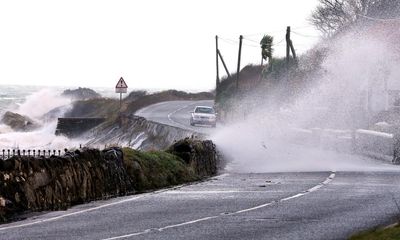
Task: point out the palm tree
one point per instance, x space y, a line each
266 48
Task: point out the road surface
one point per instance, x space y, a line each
309 205
176 113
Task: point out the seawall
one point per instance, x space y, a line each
138 133
57 182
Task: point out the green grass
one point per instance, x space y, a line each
392 233
156 169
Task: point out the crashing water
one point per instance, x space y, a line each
35 102
270 136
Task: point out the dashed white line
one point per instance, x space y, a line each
178 123
88 210
101 206
313 189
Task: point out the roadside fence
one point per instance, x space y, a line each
8 153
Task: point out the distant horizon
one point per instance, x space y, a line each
104 88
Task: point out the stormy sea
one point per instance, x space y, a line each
38 104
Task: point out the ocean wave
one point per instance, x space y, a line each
43 138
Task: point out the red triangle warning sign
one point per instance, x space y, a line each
121 83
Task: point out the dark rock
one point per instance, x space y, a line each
19 122
201 155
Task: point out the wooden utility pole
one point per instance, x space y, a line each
217 51
223 63
287 47
238 65
293 51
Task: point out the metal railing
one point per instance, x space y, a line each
8 153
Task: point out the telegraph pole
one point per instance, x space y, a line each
217 52
287 47
238 65
223 63
293 51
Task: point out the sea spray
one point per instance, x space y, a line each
41 102
348 89
43 138
36 106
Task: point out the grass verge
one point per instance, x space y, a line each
156 169
390 233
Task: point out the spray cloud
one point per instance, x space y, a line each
348 88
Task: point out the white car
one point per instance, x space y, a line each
203 115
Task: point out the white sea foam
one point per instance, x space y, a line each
35 106
41 102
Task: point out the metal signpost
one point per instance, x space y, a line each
121 88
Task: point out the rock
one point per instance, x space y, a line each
19 122
81 94
201 155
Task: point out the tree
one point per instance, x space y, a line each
266 48
333 15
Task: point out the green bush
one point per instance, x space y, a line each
156 169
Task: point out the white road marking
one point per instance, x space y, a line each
178 123
101 206
140 111
217 192
69 214
313 189
89 209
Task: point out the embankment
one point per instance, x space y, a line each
138 133
37 184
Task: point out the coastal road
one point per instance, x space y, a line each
176 113
299 205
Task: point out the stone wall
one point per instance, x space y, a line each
57 182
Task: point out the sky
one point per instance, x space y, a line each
152 44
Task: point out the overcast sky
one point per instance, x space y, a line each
155 44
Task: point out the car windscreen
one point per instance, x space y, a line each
204 110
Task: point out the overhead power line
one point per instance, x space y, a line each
251 40
227 40
279 42
258 42
302 27
235 42
380 19
263 33
305 35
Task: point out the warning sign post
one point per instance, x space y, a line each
121 88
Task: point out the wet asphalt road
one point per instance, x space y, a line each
313 205
176 113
